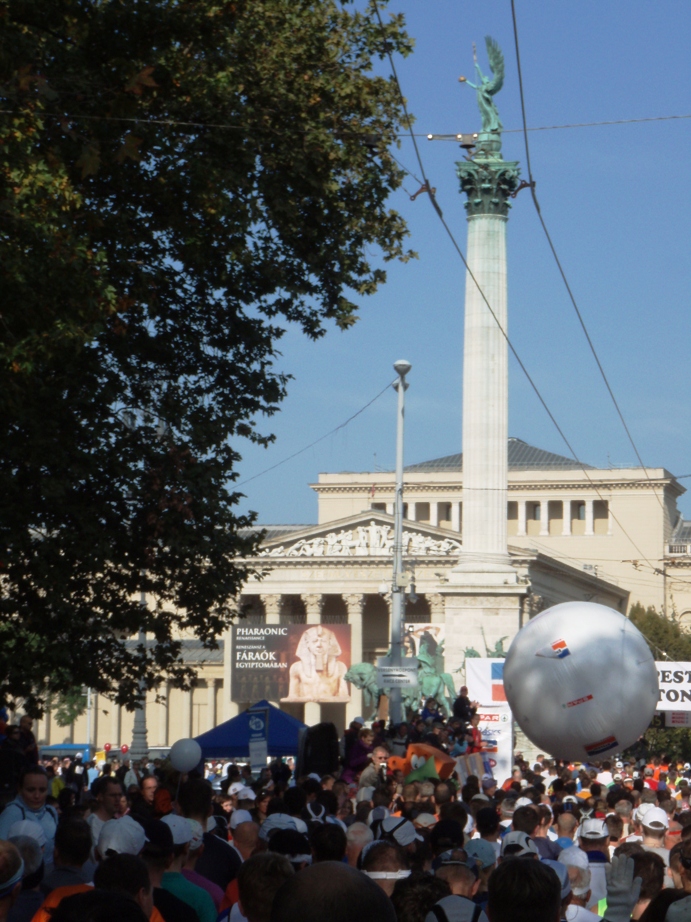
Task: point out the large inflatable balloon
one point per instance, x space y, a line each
581 681
185 755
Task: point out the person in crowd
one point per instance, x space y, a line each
358 757
127 874
259 879
30 896
357 837
385 863
11 873
28 740
142 803
108 794
30 804
219 862
331 891
71 853
158 855
189 872
173 879
414 896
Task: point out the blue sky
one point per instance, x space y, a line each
616 200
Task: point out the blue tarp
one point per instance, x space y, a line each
230 740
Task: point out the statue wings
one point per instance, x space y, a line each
496 63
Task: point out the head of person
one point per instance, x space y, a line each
526 819
651 869
328 842
358 836
460 871
655 823
72 842
11 873
196 799
26 723
98 906
108 793
33 787
123 836
593 835
487 821
126 874
414 897
148 787
366 736
32 855
385 863
524 891
259 878
159 848
245 833
331 890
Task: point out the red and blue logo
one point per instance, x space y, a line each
595 749
498 693
560 649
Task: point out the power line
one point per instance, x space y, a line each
432 197
316 441
556 257
616 121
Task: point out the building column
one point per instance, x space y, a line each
412 511
610 520
186 729
437 608
389 511
434 514
544 517
272 608
355 604
210 704
455 516
115 725
566 517
164 692
589 529
521 527
314 604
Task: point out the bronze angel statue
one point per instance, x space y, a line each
486 89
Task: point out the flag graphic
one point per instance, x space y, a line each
498 693
556 650
594 749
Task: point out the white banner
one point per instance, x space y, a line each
675 686
485 681
496 727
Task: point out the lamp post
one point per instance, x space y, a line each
140 744
398 585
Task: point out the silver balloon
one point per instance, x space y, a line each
581 681
185 755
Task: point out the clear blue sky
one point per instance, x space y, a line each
617 202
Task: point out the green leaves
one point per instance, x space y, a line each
178 181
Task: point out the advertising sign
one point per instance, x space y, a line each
259 746
403 676
675 686
290 662
497 741
485 681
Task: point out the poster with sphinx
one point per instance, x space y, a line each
291 663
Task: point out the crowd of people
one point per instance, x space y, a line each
553 841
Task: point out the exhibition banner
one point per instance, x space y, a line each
485 681
496 728
290 662
675 686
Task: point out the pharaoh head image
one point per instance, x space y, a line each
318 673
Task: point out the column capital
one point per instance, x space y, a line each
314 603
488 183
437 605
272 606
355 603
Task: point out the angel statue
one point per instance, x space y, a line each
487 88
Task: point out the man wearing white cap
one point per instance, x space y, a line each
173 880
123 836
654 824
189 871
593 837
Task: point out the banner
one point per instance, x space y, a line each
675 686
290 662
496 728
485 681
259 738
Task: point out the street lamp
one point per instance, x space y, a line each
140 743
401 367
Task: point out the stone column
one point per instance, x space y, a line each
313 608
272 607
455 516
162 732
434 513
589 529
355 604
437 608
544 517
412 511
186 728
610 520
521 528
210 704
389 511
566 517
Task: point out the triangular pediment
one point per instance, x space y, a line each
367 534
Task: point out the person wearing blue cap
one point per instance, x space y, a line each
11 873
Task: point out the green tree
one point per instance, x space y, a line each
666 641
179 180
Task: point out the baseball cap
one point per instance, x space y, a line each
236 787
524 802
240 816
358 720
180 828
480 797
274 822
197 834
593 829
483 851
518 845
563 875
488 782
570 799
402 831
123 836
425 820
574 857
656 819
28 828
642 811
246 794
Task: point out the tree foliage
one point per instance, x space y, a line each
666 640
179 179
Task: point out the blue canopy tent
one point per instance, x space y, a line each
230 740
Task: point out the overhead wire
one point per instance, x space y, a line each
560 267
432 197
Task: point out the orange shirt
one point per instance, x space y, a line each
56 896
231 896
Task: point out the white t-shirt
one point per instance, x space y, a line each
580 914
96 825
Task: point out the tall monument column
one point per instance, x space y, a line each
483 593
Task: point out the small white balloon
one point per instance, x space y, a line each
185 755
581 681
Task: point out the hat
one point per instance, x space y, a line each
29 828
524 802
426 820
402 831
480 797
236 787
570 799
656 819
618 764
240 816
574 857
483 851
379 813
358 720
518 845
274 822
641 811
617 777
123 836
488 782
246 794
455 909
158 835
197 835
180 827
648 772
563 875
447 833
593 829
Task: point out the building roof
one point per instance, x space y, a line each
193 651
682 533
522 457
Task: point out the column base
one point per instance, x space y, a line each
483 570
